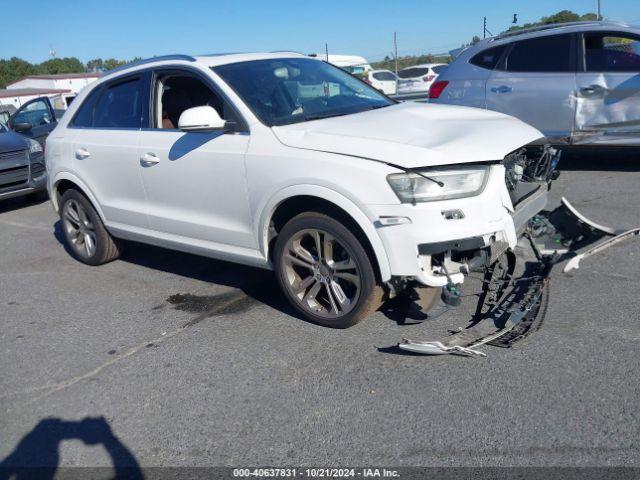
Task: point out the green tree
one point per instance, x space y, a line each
562 16
61 65
95 65
13 69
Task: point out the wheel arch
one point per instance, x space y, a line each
291 201
65 181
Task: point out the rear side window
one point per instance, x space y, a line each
413 72
120 105
84 115
488 58
384 76
544 54
611 52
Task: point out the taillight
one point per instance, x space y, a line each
366 80
428 78
437 88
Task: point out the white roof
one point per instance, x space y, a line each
225 58
211 60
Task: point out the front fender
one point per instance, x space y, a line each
364 221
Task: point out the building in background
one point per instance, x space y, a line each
60 88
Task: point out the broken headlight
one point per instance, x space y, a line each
458 182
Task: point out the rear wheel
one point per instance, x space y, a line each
84 233
325 272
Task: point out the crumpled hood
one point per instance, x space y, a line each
414 135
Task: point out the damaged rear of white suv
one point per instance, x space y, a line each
286 162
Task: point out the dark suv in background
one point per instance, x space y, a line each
22 166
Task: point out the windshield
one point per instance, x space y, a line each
291 90
3 128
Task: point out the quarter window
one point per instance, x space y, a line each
543 54
120 105
488 58
612 53
84 115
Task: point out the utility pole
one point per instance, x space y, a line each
598 16
484 28
395 56
326 52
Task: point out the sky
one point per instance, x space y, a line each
143 28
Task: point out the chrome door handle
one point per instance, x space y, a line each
82 153
501 89
149 159
592 89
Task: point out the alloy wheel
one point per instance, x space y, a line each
321 273
79 228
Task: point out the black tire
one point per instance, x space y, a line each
106 248
370 294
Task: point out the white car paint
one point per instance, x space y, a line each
217 198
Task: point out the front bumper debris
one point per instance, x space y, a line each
554 237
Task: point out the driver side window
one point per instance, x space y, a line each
177 92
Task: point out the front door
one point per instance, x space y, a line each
195 182
35 119
608 84
536 83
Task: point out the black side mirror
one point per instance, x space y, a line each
22 127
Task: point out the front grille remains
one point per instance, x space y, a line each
13 169
12 177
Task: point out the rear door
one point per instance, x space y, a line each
105 132
35 119
608 81
535 82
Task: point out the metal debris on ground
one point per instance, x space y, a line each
502 319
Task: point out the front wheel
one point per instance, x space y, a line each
325 272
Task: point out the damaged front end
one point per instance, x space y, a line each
508 308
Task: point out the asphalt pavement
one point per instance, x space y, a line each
185 361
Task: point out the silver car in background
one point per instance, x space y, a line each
579 83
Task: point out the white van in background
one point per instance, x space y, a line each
353 64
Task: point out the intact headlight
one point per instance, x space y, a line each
34 147
458 182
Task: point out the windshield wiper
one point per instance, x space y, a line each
420 174
321 116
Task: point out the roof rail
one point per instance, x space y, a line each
549 26
186 58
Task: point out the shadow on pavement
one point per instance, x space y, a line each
37 456
16 203
257 283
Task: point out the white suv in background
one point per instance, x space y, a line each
383 80
286 162
418 78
